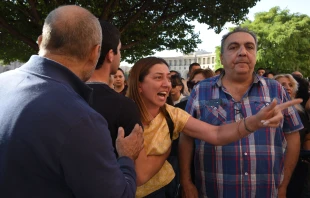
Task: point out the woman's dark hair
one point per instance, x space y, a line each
207 73
137 74
176 72
176 80
302 91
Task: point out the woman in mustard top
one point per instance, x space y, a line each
149 87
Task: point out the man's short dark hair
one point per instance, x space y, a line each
260 69
110 40
219 70
192 65
237 29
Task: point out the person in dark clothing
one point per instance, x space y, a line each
299 177
118 110
52 143
302 92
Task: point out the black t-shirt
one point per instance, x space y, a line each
118 110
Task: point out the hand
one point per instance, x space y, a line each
189 190
131 145
271 115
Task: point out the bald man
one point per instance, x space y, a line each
52 144
297 73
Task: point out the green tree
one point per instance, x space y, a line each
146 26
218 63
283 40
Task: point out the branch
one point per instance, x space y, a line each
162 18
28 16
106 10
17 34
128 46
34 12
135 16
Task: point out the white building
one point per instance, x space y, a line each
181 63
11 66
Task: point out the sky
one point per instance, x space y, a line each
210 39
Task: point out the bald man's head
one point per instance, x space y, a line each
70 31
297 73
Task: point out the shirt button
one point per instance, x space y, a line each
246 173
245 153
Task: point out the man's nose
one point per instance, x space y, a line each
242 51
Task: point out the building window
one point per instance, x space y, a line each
203 61
185 62
184 68
208 61
170 62
190 61
212 60
175 62
180 62
199 60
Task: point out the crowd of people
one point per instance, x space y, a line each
72 125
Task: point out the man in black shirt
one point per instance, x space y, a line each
118 110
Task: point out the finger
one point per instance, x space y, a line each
289 103
274 121
121 132
136 128
272 105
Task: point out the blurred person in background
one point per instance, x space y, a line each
260 71
296 185
120 84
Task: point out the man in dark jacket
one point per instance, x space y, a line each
52 143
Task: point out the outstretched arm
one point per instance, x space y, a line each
269 116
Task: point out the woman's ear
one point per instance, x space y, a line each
139 87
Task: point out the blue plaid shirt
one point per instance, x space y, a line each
252 166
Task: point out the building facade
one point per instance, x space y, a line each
11 66
181 63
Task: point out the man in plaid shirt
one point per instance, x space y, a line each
259 165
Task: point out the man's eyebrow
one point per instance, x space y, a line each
236 43
233 43
251 43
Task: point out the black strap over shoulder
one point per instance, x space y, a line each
173 188
170 124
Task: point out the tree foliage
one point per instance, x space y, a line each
283 40
146 26
218 63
